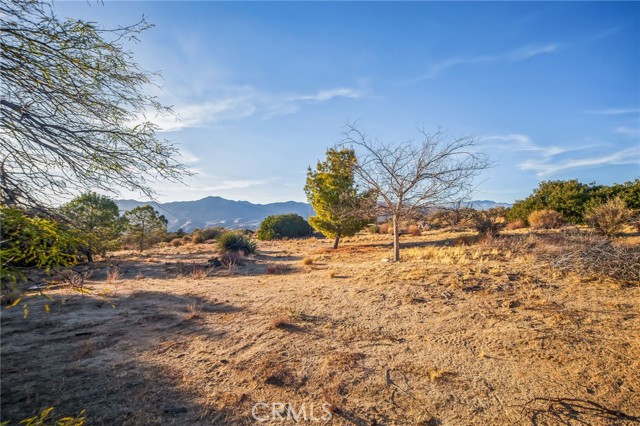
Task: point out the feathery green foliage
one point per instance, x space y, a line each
341 210
28 240
74 101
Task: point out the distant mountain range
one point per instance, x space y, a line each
217 211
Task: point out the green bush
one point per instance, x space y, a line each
29 240
234 242
283 226
610 217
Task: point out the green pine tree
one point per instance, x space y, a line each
341 210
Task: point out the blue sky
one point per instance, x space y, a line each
263 88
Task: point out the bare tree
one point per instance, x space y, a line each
410 177
72 109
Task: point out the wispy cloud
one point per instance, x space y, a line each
547 167
530 51
326 95
519 54
614 111
230 184
245 103
627 131
518 142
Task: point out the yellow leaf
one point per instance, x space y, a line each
14 303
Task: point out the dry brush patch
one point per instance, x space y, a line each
477 333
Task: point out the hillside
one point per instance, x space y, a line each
218 211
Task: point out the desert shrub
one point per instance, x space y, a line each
595 256
283 226
307 261
199 236
414 230
235 242
486 223
30 240
384 228
176 243
373 229
609 218
545 219
516 224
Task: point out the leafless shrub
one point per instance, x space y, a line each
595 256
194 311
609 218
200 272
486 223
113 274
176 243
231 259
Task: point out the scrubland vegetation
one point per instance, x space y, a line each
419 311
480 323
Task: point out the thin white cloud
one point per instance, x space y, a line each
518 142
326 95
614 111
519 54
530 51
627 131
230 184
547 167
246 103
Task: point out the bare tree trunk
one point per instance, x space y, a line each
337 240
396 239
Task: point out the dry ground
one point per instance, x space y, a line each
453 335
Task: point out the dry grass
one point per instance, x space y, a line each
482 333
307 261
113 275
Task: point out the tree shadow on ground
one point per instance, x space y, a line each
571 411
85 355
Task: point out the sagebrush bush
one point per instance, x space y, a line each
516 224
176 243
199 236
283 226
609 218
234 242
373 229
384 228
486 223
414 230
545 219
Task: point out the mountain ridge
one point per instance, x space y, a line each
232 214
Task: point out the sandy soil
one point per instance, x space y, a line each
453 335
